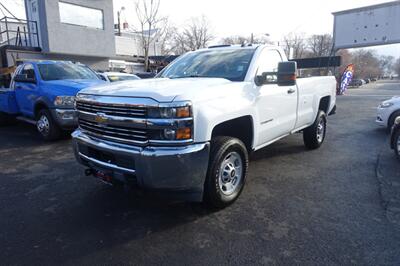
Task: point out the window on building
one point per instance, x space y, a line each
81 16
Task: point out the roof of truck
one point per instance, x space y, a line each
34 61
238 46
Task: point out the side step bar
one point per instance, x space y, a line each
26 120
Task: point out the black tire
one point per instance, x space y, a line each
312 136
391 120
6 119
396 147
51 131
222 150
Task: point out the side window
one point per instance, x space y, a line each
269 60
29 71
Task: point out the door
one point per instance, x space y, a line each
276 105
27 92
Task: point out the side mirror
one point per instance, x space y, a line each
287 73
23 78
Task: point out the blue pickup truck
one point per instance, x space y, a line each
43 93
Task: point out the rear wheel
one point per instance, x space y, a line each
227 172
47 127
314 135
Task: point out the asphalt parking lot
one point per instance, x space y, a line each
336 205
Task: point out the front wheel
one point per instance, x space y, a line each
226 173
391 120
314 135
47 127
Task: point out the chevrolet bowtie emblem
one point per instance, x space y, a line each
101 118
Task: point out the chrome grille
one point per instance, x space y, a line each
119 134
124 111
112 122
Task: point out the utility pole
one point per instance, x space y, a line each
119 20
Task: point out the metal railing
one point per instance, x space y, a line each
19 32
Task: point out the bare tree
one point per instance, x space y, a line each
366 64
320 45
151 24
346 59
166 40
197 34
386 63
238 39
231 40
296 42
396 67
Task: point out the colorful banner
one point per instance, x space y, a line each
346 78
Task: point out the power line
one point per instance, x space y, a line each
8 11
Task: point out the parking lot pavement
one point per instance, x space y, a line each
335 205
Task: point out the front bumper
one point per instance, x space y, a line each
65 118
381 116
176 169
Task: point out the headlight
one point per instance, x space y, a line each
64 101
172 123
184 133
385 105
170 112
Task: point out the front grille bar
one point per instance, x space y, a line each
116 111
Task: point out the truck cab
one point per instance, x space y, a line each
43 93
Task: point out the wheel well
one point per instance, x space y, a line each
324 104
241 128
39 106
392 117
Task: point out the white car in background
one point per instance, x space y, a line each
388 111
117 76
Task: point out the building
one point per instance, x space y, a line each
75 30
129 43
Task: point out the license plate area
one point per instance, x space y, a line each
106 176
120 160
101 155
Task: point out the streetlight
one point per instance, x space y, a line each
119 19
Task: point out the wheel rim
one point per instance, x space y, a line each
43 125
321 131
230 175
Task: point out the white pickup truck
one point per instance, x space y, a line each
189 131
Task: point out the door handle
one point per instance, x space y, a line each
290 91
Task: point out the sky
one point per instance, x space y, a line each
232 17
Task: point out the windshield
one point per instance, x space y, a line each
228 64
65 71
115 78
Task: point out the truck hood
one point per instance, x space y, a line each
70 87
159 89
